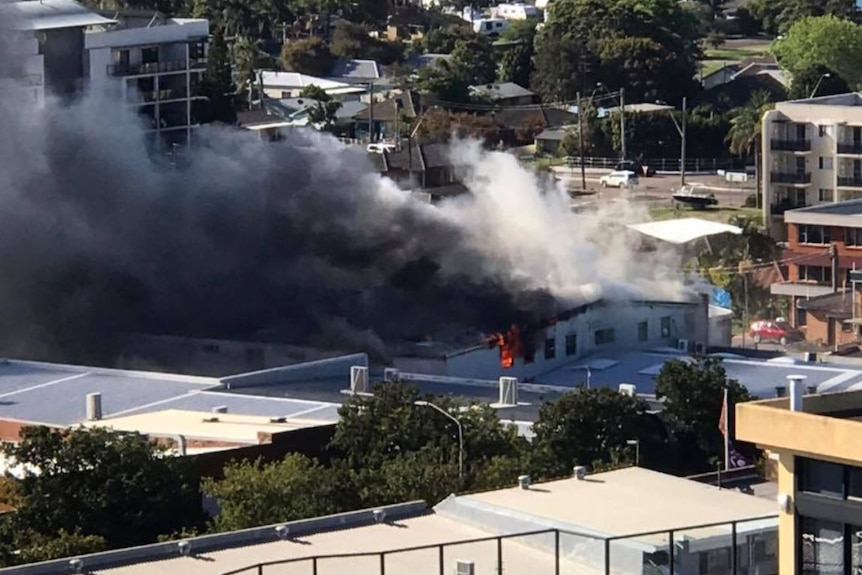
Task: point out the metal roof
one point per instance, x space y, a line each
501 91
50 15
354 71
683 230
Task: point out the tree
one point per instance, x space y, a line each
245 53
825 81
443 81
693 392
440 125
325 110
253 494
570 145
217 84
309 56
588 427
97 482
34 547
826 41
353 41
585 42
743 138
442 40
473 60
516 63
777 16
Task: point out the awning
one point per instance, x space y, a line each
684 230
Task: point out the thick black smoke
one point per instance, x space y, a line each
299 241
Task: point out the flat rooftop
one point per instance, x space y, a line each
853 99
627 501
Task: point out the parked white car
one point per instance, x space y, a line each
380 148
619 179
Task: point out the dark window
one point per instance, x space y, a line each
801 317
149 55
550 348
821 131
822 547
714 562
800 131
643 331
821 477
571 344
814 273
665 326
605 336
854 483
853 237
813 235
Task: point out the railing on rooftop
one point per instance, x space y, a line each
790 145
156 67
667 551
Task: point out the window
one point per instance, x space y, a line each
820 477
665 326
571 344
605 336
643 331
714 562
824 163
813 235
822 131
801 317
814 273
854 483
550 348
824 195
822 547
853 237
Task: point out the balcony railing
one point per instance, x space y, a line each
850 181
790 177
781 207
780 145
156 67
159 96
850 148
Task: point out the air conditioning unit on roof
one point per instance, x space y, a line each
682 345
465 568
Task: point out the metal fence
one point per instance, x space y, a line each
672 165
746 547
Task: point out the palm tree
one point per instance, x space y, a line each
744 135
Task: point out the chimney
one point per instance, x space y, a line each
358 379
524 481
220 409
94 406
580 472
797 388
508 391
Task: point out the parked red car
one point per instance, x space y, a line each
774 330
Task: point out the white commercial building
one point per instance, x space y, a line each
812 154
155 66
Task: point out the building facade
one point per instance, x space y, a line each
814 441
812 154
824 244
155 67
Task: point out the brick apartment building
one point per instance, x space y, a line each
824 244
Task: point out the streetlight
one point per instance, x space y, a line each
681 130
817 85
622 94
637 444
460 434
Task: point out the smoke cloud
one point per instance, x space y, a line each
300 240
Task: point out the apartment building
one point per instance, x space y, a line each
155 65
814 441
824 245
24 74
812 152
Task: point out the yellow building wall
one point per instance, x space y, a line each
786 522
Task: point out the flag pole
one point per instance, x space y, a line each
726 411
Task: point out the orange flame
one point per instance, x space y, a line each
510 344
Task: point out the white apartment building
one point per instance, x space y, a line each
25 76
515 11
812 154
156 66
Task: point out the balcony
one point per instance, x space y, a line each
850 148
854 181
779 208
796 178
119 70
781 145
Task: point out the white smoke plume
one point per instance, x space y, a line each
299 240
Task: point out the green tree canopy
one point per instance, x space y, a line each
100 483
648 47
473 59
217 84
442 40
516 62
309 56
828 41
353 41
325 110
777 16
817 77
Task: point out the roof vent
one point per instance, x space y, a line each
210 420
185 548
359 379
465 568
579 472
379 515
508 391
524 481
76 565
628 389
220 409
796 390
282 419
282 531
780 391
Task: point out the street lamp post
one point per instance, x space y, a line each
817 85
460 434
681 130
637 444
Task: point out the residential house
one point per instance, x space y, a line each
548 141
812 154
737 92
266 124
280 85
388 118
522 125
824 243
811 438
428 167
354 72
504 94
156 65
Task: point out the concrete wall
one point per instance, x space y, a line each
687 321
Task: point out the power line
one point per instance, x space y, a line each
533 107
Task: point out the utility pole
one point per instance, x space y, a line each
581 142
682 149
370 111
623 123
